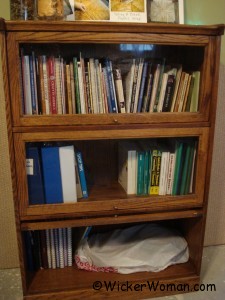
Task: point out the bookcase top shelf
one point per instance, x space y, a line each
65 26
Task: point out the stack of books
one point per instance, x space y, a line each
48 249
55 174
52 85
157 168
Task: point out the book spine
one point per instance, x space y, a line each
140 172
107 90
52 175
93 85
80 165
148 93
48 245
34 176
139 78
111 87
98 86
69 247
52 84
168 93
43 250
155 172
68 176
61 254
58 80
33 86
170 176
40 86
45 81
119 90
69 91
77 91
27 84
52 249
142 87
134 86
81 89
56 243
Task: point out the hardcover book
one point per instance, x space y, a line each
81 172
52 175
68 174
34 176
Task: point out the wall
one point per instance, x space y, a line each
196 12
212 12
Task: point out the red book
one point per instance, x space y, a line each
52 84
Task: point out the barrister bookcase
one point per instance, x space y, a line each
196 48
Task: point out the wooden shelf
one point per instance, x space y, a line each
80 282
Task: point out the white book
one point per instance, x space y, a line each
170 177
119 90
139 77
26 84
127 167
163 173
68 175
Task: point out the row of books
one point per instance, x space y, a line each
48 249
153 168
53 86
160 87
95 86
55 174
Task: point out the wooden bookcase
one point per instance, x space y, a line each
195 47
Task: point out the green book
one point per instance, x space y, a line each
195 92
147 166
140 172
178 166
185 170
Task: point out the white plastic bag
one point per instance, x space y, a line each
145 247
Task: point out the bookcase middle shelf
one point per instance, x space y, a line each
104 168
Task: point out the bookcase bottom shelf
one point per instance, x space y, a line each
71 283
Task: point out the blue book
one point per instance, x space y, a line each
81 173
141 93
52 175
34 176
29 250
110 81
